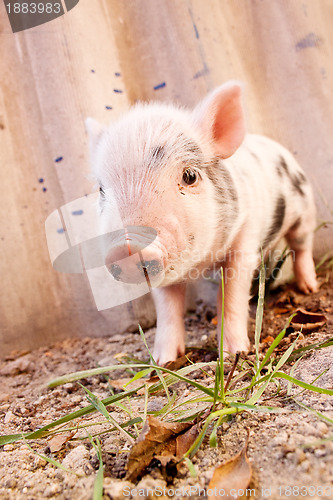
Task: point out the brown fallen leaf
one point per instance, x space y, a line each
282 310
184 441
214 321
287 299
163 441
57 442
234 474
307 321
171 365
268 340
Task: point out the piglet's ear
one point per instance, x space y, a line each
221 119
95 132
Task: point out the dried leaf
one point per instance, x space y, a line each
164 441
234 474
121 382
268 340
178 363
57 442
214 321
171 365
184 441
282 310
307 321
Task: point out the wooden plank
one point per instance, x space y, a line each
55 75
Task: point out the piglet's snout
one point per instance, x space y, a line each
131 261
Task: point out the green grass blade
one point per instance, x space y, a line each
260 308
193 471
284 358
256 408
99 405
43 431
318 345
197 443
316 412
51 460
324 258
139 375
220 366
295 381
213 435
98 483
73 377
165 410
179 375
270 350
153 362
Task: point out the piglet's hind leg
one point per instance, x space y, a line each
300 240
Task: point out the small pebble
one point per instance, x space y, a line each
281 438
52 490
4 397
76 458
320 452
8 447
322 428
117 490
10 483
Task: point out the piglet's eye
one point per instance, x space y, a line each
189 176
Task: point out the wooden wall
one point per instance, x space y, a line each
55 75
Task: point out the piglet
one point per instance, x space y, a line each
210 195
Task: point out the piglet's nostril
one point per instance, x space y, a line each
152 267
115 270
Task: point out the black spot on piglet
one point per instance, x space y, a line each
297 179
277 222
158 153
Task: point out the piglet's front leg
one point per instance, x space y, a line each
170 331
238 273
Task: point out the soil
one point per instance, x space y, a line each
291 451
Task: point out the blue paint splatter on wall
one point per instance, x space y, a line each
41 180
60 230
310 40
117 74
108 107
60 158
44 189
118 91
196 31
77 212
160 86
201 73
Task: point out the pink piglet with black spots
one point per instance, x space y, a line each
214 196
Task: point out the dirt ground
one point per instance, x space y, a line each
282 466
